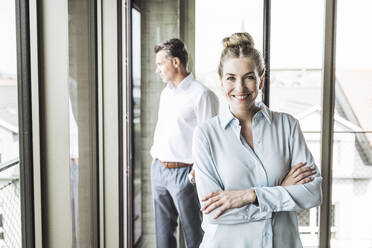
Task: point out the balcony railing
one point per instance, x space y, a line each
10 208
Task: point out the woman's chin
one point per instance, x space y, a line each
241 105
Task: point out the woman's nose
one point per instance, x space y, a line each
240 83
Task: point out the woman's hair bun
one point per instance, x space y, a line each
238 39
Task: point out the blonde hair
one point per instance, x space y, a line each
240 45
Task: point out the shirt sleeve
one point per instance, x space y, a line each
208 181
206 107
155 146
294 197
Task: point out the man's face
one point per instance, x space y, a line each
165 67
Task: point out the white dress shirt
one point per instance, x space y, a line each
224 161
181 109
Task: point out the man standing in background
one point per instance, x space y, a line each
184 103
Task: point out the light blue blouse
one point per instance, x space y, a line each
224 161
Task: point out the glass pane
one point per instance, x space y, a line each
352 144
136 101
10 215
238 16
82 122
295 80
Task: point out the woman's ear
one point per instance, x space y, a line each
262 80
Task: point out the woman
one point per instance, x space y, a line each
253 168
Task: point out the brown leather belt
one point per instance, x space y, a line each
174 164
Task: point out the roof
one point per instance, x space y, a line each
356 86
8 101
8 126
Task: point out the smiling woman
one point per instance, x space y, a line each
253 168
241 82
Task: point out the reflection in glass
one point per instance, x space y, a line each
136 105
82 121
296 81
352 150
10 215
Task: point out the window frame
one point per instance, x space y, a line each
25 123
328 106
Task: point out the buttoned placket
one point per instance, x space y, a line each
258 164
267 236
267 239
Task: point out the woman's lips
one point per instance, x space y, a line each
241 97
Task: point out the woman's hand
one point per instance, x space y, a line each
299 174
226 199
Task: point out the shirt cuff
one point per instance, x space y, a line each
273 199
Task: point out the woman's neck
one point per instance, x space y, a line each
245 115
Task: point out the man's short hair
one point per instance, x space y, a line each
175 49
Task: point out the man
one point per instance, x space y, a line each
184 103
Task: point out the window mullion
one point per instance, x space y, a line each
327 119
266 50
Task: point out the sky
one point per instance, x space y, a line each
8 45
296 32
297 29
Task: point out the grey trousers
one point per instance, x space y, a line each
74 184
174 196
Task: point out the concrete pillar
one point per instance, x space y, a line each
187 30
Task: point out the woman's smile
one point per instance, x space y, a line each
241 97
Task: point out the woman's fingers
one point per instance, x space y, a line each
297 173
225 199
305 180
296 167
213 207
305 174
210 196
210 202
302 170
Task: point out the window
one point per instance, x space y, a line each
296 80
10 190
308 223
352 151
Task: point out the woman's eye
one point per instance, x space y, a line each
251 77
230 78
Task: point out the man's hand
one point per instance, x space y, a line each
192 172
75 160
224 200
299 174
191 177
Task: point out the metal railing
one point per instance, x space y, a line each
10 209
9 164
